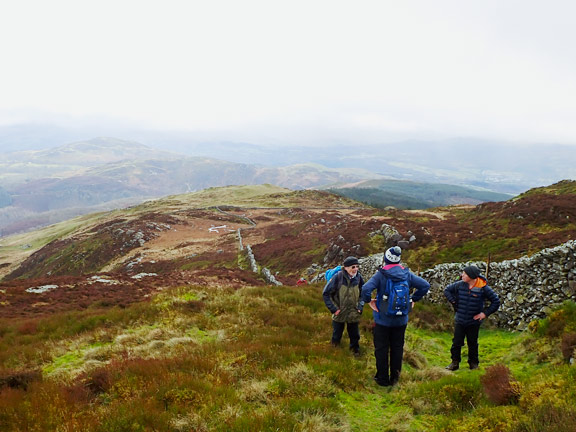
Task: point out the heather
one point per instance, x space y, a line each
222 358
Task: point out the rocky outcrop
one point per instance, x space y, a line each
392 236
529 287
370 264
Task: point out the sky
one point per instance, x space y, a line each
311 69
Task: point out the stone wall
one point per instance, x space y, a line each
528 287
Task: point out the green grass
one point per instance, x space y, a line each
214 358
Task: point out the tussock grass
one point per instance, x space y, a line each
259 359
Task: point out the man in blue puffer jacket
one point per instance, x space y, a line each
389 329
467 298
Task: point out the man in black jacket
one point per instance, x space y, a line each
467 298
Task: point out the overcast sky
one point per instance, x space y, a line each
503 69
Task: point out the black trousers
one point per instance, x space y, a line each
353 334
388 350
470 332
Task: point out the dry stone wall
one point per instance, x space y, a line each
528 287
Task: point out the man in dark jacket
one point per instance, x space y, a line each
467 298
342 297
389 329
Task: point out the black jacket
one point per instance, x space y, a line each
470 302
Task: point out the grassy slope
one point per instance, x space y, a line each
257 358
540 218
14 249
216 358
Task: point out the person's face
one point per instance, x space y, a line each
352 270
465 277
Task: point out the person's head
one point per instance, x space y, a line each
351 265
470 273
393 255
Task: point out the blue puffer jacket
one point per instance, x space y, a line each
378 282
470 302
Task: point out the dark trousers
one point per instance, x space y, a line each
470 332
353 334
388 350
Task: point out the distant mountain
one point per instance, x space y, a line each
66 160
414 195
105 173
465 161
89 153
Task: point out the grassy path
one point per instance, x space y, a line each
389 409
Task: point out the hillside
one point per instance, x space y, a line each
292 233
414 195
150 318
38 188
192 236
214 357
69 159
466 161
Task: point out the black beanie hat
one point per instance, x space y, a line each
472 271
350 261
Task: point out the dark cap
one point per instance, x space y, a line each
350 261
472 271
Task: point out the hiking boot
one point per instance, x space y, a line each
474 366
382 383
453 366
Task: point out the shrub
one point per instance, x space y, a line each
568 345
561 320
19 379
98 381
549 417
499 385
431 316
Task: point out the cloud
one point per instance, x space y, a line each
496 69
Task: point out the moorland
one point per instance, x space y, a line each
151 319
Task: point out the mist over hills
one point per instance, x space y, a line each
39 186
466 161
45 186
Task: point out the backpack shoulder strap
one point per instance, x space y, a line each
339 278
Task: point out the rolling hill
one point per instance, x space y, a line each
47 186
151 318
173 236
414 195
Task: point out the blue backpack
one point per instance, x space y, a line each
397 302
331 272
